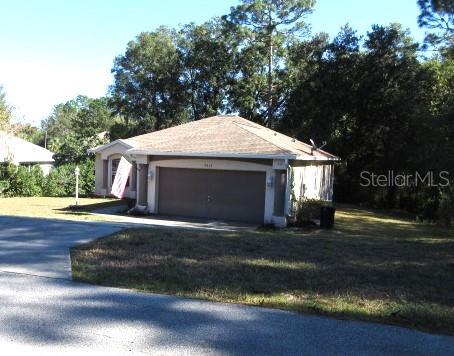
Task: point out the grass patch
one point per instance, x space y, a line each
54 207
372 266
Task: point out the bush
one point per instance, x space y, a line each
21 181
446 206
306 210
61 181
54 186
4 185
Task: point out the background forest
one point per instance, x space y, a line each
379 100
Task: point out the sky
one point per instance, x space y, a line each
53 50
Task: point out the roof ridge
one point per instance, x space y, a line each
293 139
247 123
12 136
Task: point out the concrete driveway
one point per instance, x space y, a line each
42 311
41 246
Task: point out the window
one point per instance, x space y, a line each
114 167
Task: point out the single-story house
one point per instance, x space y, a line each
221 167
21 152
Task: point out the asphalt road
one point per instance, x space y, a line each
44 312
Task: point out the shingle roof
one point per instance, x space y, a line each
20 151
224 136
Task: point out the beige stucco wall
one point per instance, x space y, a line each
99 175
117 148
309 179
112 152
313 180
46 168
105 154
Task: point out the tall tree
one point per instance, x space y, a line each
29 133
441 148
438 17
371 106
270 23
207 53
59 122
324 102
147 81
5 111
93 117
74 127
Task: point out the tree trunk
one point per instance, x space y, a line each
195 114
270 31
270 82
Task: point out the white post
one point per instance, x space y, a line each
77 172
137 182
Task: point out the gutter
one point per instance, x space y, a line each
137 151
317 158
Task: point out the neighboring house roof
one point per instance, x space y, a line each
102 135
17 150
223 136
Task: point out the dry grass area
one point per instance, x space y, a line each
54 207
372 266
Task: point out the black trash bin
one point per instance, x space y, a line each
327 217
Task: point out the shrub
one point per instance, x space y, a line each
4 185
21 181
305 210
62 181
87 177
54 185
446 206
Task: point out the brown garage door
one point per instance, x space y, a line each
212 194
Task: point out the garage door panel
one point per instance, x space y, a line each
180 194
238 195
212 194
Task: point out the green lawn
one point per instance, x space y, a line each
55 208
372 266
